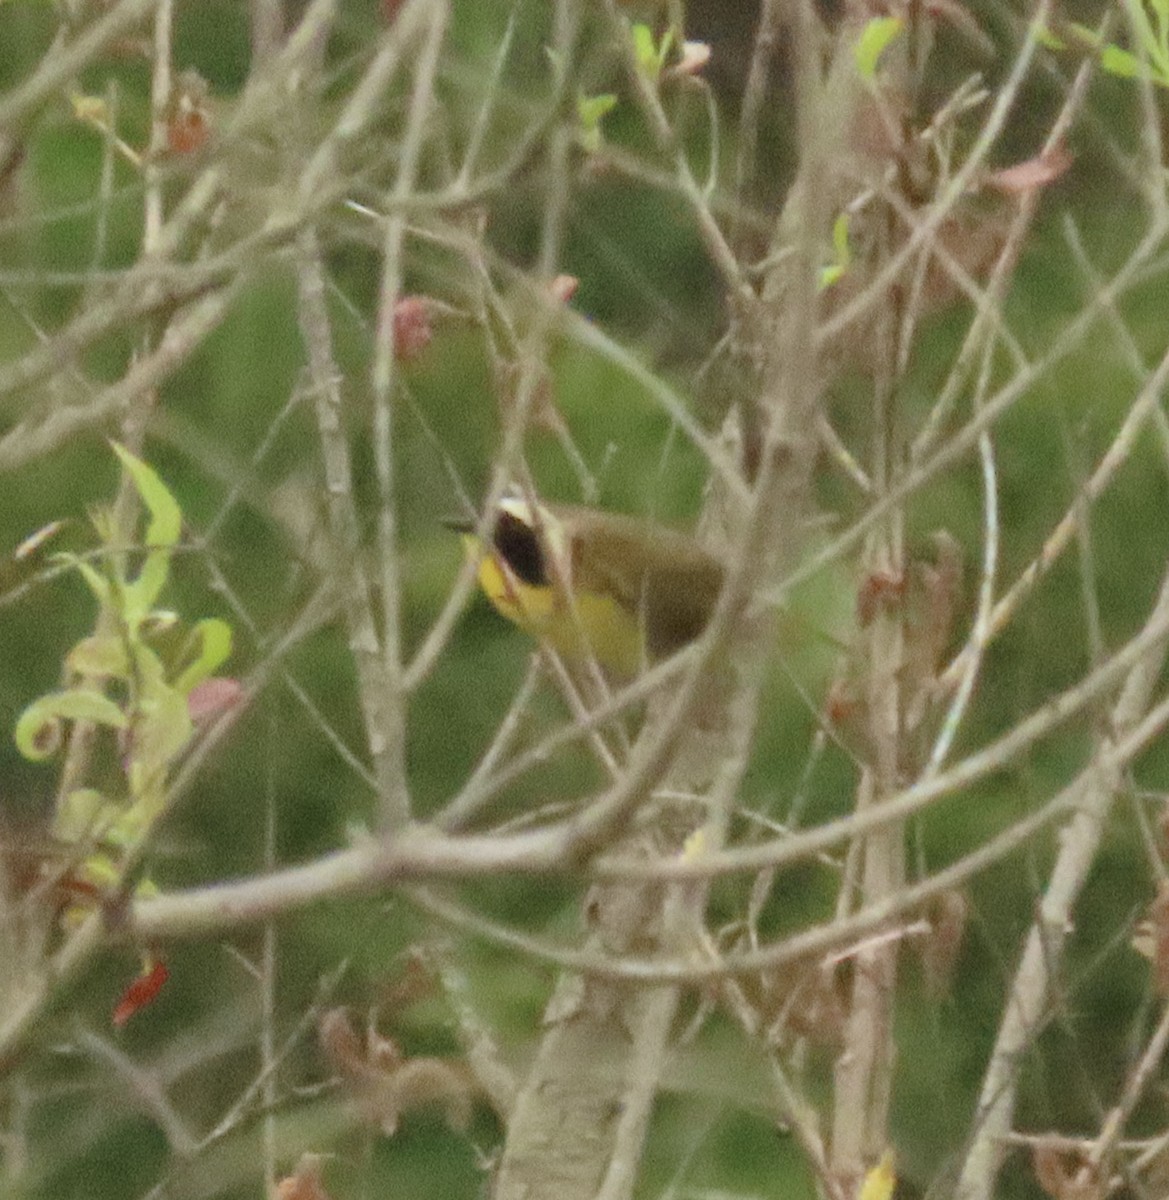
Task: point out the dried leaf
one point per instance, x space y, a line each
805 1002
340 1042
384 1083
881 591
1033 173
416 982
940 581
1062 1173
1047 1161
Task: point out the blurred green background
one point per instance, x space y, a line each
235 449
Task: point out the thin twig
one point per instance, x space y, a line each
1031 989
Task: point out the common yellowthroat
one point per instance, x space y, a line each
596 586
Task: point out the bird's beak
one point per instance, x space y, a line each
458 524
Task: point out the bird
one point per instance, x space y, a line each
598 587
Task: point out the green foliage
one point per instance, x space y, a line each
1148 22
875 37
121 682
590 110
842 253
37 729
651 55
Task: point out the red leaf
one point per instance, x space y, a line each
142 991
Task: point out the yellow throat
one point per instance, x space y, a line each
595 586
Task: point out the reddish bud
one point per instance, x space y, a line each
563 288
695 56
412 328
213 696
841 705
188 118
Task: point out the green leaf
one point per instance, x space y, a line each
651 57
643 45
139 595
874 38
214 640
149 672
165 730
100 656
101 870
1142 28
127 830
591 109
1153 42
162 534
842 252
162 729
1120 62
166 518
146 889
840 240
37 733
